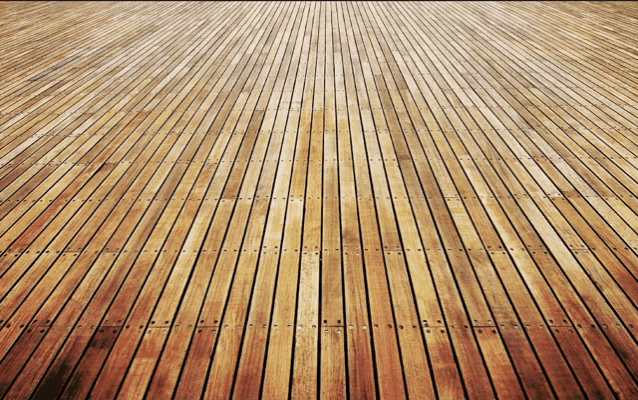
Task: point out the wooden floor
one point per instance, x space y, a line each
299 199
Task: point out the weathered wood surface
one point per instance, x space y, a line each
331 200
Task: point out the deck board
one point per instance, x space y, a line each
335 199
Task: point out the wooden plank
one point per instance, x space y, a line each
142 308
196 363
475 378
584 367
304 355
358 339
89 366
258 206
447 378
504 377
236 312
318 200
19 355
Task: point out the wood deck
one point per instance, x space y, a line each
308 200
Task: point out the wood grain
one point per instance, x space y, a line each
335 199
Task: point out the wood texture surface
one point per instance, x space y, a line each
319 200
